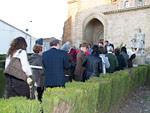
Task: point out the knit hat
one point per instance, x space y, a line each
65 47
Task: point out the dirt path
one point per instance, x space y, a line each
139 102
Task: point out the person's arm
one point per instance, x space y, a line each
72 61
107 64
116 62
7 62
84 62
100 66
25 64
66 61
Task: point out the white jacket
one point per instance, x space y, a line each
23 59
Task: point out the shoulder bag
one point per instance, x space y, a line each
14 68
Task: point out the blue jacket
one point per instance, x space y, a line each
54 62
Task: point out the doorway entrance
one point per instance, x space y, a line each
94 32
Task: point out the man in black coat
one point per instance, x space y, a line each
108 44
54 62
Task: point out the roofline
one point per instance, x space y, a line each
127 9
16 28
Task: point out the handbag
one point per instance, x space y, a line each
14 68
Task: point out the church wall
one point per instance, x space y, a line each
88 4
121 26
83 18
69 25
118 27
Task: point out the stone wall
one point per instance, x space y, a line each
119 22
121 26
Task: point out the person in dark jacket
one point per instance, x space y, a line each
93 64
130 61
125 56
38 73
107 44
54 63
120 58
73 53
68 72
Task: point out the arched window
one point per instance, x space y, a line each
140 3
126 4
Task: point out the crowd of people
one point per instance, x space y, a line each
58 65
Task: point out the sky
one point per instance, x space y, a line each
42 18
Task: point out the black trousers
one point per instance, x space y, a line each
17 87
40 92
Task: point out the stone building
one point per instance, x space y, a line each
112 20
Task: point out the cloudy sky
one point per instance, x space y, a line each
47 16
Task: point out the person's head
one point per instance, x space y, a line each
101 44
117 51
89 46
101 50
66 48
106 43
109 49
84 47
124 49
95 49
55 43
16 44
80 45
37 49
69 43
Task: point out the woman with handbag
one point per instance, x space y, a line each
17 69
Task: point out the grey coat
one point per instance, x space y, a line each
38 74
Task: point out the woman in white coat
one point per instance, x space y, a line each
16 86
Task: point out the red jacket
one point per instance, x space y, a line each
73 54
87 53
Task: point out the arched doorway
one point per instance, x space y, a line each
94 32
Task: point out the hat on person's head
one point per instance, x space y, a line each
84 44
54 42
65 47
109 48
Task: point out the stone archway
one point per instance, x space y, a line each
94 31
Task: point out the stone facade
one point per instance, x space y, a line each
112 20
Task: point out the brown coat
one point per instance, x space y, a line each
79 69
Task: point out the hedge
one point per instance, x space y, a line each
19 105
64 100
103 93
148 75
2 63
3 82
97 95
2 56
92 92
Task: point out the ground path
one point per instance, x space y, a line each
139 102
